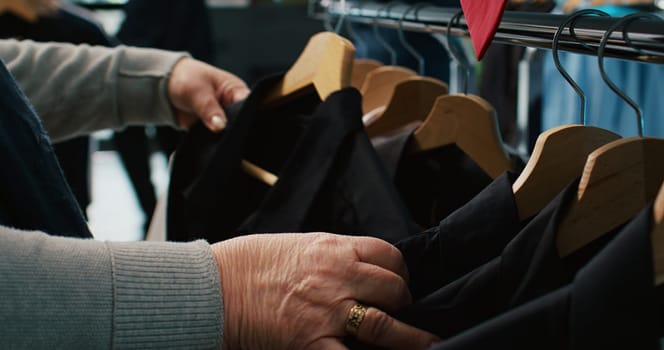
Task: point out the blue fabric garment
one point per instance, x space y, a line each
33 192
640 81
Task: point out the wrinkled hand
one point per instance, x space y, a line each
294 291
198 90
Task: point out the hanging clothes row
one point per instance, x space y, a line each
546 255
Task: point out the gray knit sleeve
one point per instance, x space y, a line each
80 89
69 293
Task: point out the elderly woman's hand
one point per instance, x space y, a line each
198 91
296 291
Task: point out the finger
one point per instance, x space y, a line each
231 90
377 286
378 252
327 344
378 328
210 112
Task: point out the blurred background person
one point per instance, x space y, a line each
164 24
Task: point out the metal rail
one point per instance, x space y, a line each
645 38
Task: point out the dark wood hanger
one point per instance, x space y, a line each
379 86
411 101
470 123
558 158
619 179
362 67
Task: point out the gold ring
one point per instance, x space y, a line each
355 318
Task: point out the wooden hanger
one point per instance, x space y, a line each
658 237
325 65
560 153
362 67
379 86
411 101
470 123
619 179
22 9
558 158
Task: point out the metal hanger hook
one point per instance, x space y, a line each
455 54
625 21
405 43
354 37
342 17
381 40
556 59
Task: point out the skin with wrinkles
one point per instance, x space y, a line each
294 291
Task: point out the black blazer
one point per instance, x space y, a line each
330 178
528 267
612 303
469 237
435 183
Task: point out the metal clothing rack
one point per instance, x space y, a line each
645 37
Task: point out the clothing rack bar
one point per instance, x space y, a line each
517 28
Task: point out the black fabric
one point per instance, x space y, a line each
330 178
471 236
434 183
528 267
33 192
63 26
611 304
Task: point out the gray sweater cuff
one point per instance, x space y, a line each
71 293
166 295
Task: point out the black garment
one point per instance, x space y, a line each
611 304
330 178
65 25
434 183
529 267
33 192
471 236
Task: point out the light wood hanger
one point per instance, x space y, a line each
560 153
658 237
379 86
411 101
325 65
362 67
619 179
467 121
470 123
558 158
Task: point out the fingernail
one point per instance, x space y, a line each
218 122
